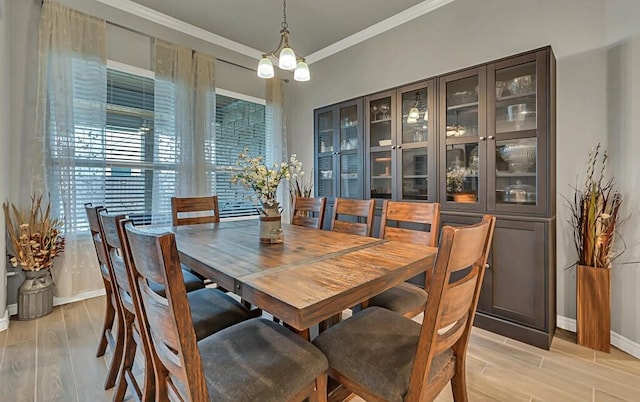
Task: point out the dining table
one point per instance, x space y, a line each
306 280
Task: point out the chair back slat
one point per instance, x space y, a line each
109 224
424 217
456 301
308 212
169 319
94 226
452 302
360 209
159 316
188 210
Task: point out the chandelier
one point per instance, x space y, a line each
287 59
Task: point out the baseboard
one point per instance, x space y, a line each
57 301
617 340
4 321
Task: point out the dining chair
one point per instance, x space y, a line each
350 208
410 222
402 360
250 361
113 311
213 311
194 210
308 211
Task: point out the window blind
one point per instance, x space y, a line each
239 124
127 163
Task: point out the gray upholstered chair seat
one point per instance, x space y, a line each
258 360
376 348
402 298
213 310
191 282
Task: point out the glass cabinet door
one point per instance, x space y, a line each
515 173
349 128
517 134
324 153
381 185
463 155
382 143
349 156
415 141
515 90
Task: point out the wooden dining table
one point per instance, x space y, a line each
311 277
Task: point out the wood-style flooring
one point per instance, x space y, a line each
53 359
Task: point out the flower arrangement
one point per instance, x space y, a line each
455 179
35 238
299 186
255 174
594 215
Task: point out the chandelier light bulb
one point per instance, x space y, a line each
414 113
287 59
302 72
265 68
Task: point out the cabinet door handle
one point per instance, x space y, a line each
492 137
481 138
393 147
399 146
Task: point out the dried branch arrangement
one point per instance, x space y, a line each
34 238
594 215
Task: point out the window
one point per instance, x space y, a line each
126 162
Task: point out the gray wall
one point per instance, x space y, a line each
4 150
468 32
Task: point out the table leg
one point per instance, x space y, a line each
303 333
333 320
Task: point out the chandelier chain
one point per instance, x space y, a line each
284 14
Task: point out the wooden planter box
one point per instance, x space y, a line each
593 305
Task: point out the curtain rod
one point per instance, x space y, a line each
152 37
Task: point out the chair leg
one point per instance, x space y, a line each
320 392
149 390
127 362
118 351
109 315
459 381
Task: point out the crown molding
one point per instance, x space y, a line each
376 29
157 17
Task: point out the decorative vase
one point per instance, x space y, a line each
35 295
270 223
593 305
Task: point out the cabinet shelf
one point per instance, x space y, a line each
515 174
326 130
415 176
388 177
381 121
518 96
463 106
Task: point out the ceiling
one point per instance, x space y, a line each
314 25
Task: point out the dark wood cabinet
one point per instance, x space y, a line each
482 142
338 142
497 156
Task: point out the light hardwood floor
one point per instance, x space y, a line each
53 359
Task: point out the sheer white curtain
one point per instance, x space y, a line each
69 157
205 124
173 126
277 137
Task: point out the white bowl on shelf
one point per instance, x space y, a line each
384 143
